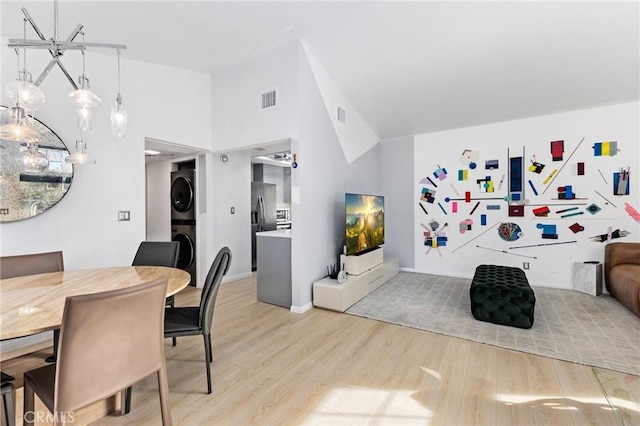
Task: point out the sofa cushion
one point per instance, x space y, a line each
624 285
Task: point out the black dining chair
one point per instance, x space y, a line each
158 253
8 399
196 320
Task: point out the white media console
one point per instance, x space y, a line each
365 273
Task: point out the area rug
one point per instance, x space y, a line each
568 325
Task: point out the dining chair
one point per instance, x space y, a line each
158 253
8 399
108 341
33 264
197 320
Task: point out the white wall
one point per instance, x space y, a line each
318 188
553 264
238 120
158 201
231 187
355 136
84 224
396 184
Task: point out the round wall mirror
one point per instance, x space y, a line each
26 193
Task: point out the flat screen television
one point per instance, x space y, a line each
364 229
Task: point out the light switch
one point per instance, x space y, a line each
123 215
233 210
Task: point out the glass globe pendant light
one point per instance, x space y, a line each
118 111
80 156
33 162
15 128
22 90
83 97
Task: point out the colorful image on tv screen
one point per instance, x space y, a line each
364 222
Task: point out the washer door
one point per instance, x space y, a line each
186 255
181 194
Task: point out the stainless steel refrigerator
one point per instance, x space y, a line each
263 213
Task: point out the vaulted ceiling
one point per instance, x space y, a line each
408 67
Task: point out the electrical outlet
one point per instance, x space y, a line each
233 210
525 265
123 215
4 211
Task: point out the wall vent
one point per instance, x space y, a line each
342 116
269 99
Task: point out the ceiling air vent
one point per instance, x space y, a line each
269 99
342 116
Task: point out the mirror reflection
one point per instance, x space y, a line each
32 178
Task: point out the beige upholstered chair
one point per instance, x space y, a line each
108 341
30 264
33 264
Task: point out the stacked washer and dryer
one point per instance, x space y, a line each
183 219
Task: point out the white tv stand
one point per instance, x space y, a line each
356 265
328 294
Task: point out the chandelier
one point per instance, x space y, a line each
26 96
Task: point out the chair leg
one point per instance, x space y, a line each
126 408
210 351
9 403
56 337
165 404
173 341
29 413
207 360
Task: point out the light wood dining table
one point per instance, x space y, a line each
34 303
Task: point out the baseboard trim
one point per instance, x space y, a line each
301 309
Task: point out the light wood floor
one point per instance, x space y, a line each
275 367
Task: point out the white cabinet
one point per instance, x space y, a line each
328 294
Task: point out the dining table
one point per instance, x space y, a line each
33 304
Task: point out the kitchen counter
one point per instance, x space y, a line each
274 267
280 233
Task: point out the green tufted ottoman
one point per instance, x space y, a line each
502 295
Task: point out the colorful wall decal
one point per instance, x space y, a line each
576 227
599 171
454 207
454 189
621 182
551 175
423 209
609 235
571 214
440 173
557 150
593 208
509 231
533 188
504 251
580 169
549 231
516 210
605 148
491 164
463 175
483 219
535 167
633 212
554 174
469 158
567 210
494 207
566 193
608 202
543 244
428 195
501 181
424 181
486 184
465 225
541 211
434 236
474 208
442 208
